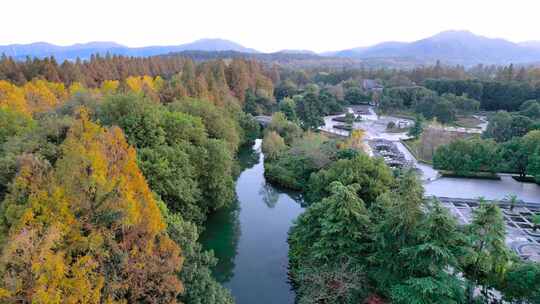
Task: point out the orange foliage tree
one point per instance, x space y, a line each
88 230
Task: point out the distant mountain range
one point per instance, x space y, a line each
531 44
84 50
450 47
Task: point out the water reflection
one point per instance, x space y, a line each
251 239
221 235
269 194
248 156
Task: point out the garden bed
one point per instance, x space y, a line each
476 175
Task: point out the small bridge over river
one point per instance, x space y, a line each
263 120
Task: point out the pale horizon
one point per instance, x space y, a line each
264 26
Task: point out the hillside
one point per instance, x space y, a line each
84 50
452 47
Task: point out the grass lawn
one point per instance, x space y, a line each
413 145
399 114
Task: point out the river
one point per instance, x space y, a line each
250 238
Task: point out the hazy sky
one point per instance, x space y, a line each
269 25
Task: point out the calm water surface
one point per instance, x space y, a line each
250 239
489 189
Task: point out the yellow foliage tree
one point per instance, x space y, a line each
76 88
39 96
145 85
109 87
92 214
355 140
12 98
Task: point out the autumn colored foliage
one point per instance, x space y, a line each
87 230
162 78
89 150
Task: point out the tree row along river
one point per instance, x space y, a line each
250 238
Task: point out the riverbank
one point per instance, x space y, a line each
250 239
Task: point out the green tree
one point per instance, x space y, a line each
463 103
273 145
218 123
444 110
333 228
515 156
531 109
250 127
488 257
498 127
373 176
285 89
200 286
44 142
250 104
287 129
349 119
513 200
465 156
536 221
217 183
521 283
13 123
416 245
503 126
534 166
328 234
172 175
288 107
138 117
355 95
310 110
305 156
418 127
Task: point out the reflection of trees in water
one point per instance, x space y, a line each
222 229
247 157
221 235
297 197
269 194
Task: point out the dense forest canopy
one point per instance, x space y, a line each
369 235
109 168
102 174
